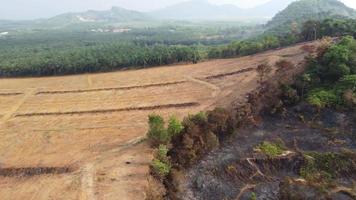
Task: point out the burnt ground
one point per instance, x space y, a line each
236 171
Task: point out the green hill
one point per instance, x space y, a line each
304 10
114 15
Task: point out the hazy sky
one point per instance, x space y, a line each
30 9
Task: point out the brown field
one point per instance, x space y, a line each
79 137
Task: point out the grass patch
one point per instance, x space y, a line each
271 149
329 165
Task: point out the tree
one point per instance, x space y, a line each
175 127
310 30
336 61
263 70
306 78
157 134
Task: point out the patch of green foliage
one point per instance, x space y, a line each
158 133
253 196
161 165
271 149
347 82
199 118
161 169
324 167
322 98
175 127
333 74
161 153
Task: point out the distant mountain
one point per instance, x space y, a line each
91 18
197 9
115 14
303 10
203 10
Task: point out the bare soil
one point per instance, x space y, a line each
91 127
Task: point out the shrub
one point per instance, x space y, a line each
271 149
322 98
175 127
263 70
347 82
212 141
221 122
335 62
289 95
323 167
161 165
199 119
161 153
253 196
160 169
157 134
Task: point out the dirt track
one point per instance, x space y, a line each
95 123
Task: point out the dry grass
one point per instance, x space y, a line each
50 122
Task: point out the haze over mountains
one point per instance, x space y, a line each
203 10
187 10
287 10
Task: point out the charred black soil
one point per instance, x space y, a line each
238 170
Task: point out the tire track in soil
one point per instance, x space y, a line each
216 89
16 107
88 182
89 81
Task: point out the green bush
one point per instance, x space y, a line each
160 169
253 196
175 127
347 82
323 167
271 149
161 153
323 98
157 134
201 117
161 164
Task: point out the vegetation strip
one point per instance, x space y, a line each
113 88
143 108
230 73
33 171
11 94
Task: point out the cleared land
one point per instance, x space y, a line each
80 137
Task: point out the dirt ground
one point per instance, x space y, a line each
93 125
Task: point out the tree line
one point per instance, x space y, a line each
102 57
72 53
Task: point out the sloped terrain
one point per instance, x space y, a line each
82 137
239 171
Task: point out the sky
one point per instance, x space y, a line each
32 9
